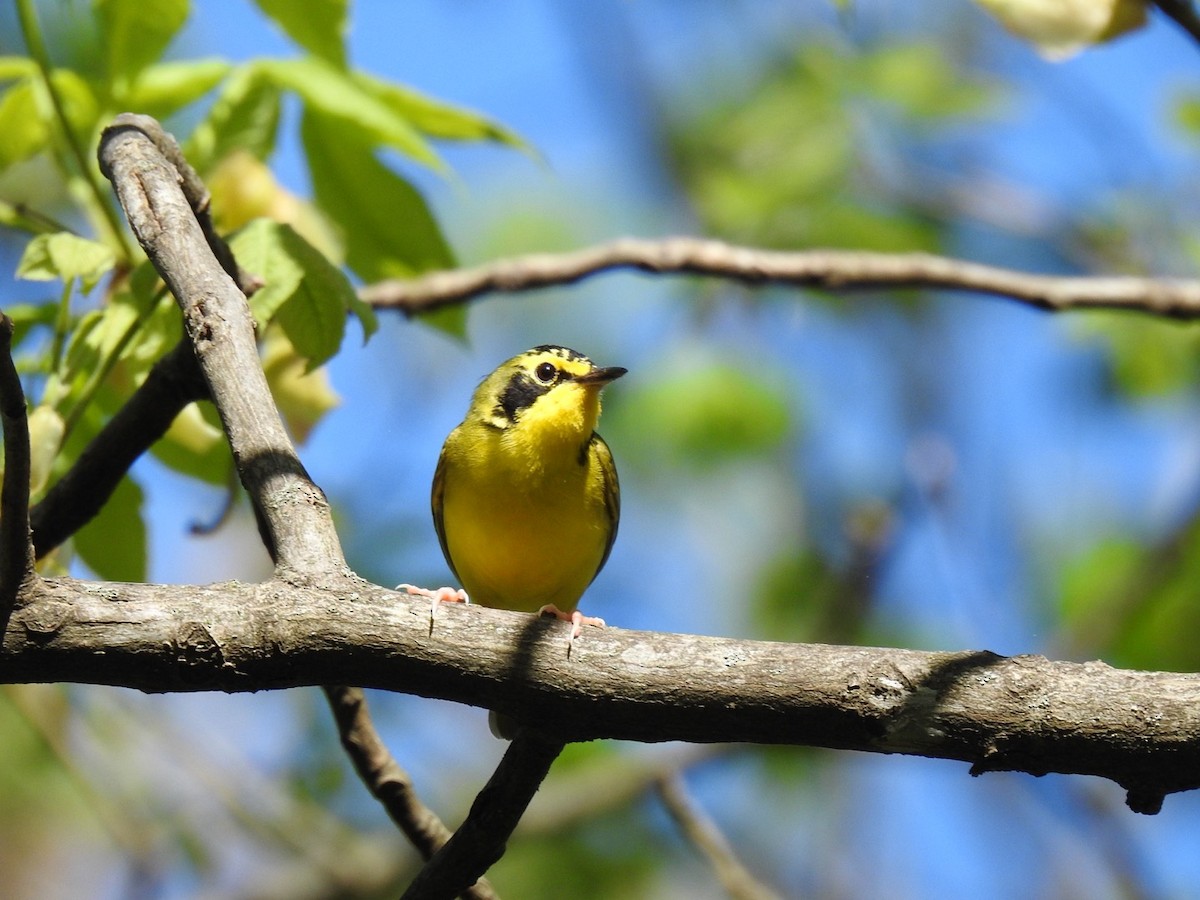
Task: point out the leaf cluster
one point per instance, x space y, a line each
87 347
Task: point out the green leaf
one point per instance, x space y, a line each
319 26
136 32
391 232
303 291
27 316
245 116
14 67
437 118
195 445
46 432
259 249
164 88
919 79
23 131
711 414
113 544
64 256
331 92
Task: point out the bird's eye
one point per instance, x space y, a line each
545 372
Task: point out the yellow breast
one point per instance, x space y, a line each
522 529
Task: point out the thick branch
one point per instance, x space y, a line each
16 551
828 269
388 782
293 513
172 384
480 840
1026 713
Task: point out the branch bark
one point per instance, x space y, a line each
292 512
480 840
1024 713
389 783
827 269
16 551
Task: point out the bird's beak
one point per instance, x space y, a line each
600 376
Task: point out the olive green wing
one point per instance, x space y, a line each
437 503
602 456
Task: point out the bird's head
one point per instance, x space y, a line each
549 394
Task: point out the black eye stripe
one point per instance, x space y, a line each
520 393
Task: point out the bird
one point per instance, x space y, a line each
525 498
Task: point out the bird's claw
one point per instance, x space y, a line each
437 596
576 618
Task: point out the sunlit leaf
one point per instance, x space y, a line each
362 118
195 445
1061 28
113 544
136 32
23 131
308 295
244 188
46 431
243 118
166 87
390 230
319 26
437 118
65 256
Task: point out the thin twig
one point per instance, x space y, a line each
387 781
707 838
826 269
16 551
481 839
1183 14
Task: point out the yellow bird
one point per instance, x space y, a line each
525 496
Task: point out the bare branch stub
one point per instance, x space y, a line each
16 550
834 270
292 512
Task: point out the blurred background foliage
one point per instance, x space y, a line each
890 468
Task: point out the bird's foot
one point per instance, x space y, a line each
437 597
576 618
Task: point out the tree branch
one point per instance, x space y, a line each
1183 14
388 782
292 512
1025 713
704 835
828 269
480 840
173 383
16 551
